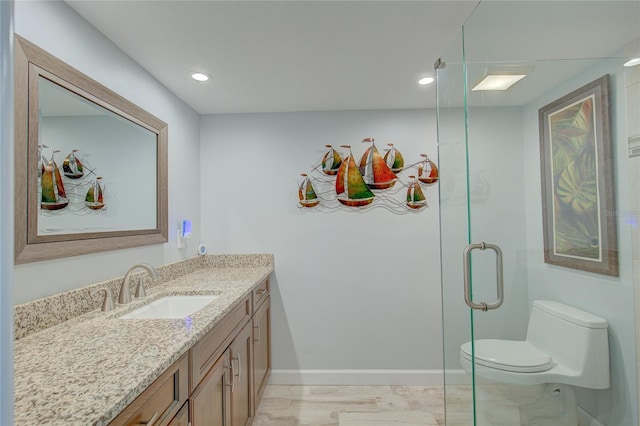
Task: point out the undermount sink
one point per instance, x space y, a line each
171 307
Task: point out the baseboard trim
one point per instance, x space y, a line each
586 419
457 378
357 377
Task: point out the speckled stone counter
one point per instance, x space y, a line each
86 370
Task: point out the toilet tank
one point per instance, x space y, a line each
575 339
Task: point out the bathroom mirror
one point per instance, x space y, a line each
90 166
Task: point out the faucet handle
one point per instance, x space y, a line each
140 292
107 302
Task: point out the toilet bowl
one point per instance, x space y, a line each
564 347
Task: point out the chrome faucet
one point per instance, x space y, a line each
125 291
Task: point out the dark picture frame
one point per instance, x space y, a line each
578 196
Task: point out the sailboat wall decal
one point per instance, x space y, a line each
375 171
415 197
351 188
306 193
95 196
331 161
339 182
53 195
427 171
394 159
72 166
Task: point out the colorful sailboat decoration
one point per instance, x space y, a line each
394 159
72 167
95 196
351 188
41 160
415 197
427 171
306 193
53 195
331 161
375 171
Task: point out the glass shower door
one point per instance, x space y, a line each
491 193
482 212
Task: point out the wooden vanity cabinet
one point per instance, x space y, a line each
161 401
223 375
208 349
225 395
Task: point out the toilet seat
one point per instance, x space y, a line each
508 355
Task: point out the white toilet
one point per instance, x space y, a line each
564 347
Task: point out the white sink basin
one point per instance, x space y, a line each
171 307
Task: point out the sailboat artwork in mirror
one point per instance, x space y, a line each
72 166
53 195
95 198
339 182
80 194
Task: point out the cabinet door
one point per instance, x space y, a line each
261 348
210 402
241 378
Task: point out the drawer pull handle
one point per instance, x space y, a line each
262 291
232 375
239 368
257 326
151 421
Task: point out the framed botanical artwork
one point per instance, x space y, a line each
578 199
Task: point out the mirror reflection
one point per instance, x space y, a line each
97 171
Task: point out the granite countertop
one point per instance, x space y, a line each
88 369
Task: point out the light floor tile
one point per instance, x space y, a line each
284 405
404 418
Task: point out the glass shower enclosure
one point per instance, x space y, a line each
526 218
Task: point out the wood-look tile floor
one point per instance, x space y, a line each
351 406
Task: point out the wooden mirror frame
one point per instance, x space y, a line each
30 59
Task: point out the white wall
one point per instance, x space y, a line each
6 212
61 31
351 290
610 297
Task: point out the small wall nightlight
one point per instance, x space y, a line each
184 232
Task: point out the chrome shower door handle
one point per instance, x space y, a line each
483 306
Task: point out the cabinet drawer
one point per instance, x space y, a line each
205 353
161 400
260 293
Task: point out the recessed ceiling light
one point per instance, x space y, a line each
498 82
425 80
632 62
199 76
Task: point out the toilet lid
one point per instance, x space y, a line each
508 355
